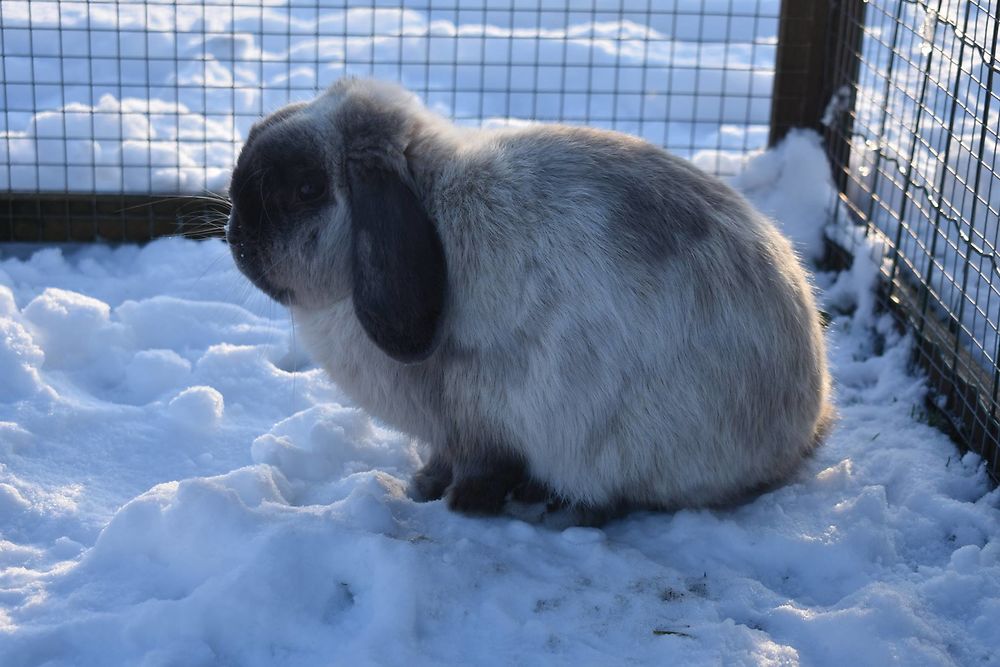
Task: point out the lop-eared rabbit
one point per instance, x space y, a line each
546 307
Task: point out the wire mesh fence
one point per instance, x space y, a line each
104 98
116 115
914 134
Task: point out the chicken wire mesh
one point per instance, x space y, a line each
107 103
913 132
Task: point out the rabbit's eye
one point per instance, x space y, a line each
312 185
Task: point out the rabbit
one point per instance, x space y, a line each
546 307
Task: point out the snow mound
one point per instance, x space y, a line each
197 407
77 334
153 372
20 359
792 184
8 307
328 441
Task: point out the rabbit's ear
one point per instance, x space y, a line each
399 270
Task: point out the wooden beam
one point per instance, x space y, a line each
63 217
817 54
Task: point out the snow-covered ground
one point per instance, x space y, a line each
179 486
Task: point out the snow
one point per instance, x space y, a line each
180 486
197 408
797 165
158 97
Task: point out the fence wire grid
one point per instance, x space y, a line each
106 103
915 147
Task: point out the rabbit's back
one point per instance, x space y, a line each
632 326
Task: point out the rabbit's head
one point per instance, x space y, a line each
325 207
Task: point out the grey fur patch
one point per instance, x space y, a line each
645 191
649 220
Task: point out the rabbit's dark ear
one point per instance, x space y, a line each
399 270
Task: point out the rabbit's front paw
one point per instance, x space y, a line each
478 495
484 489
431 481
